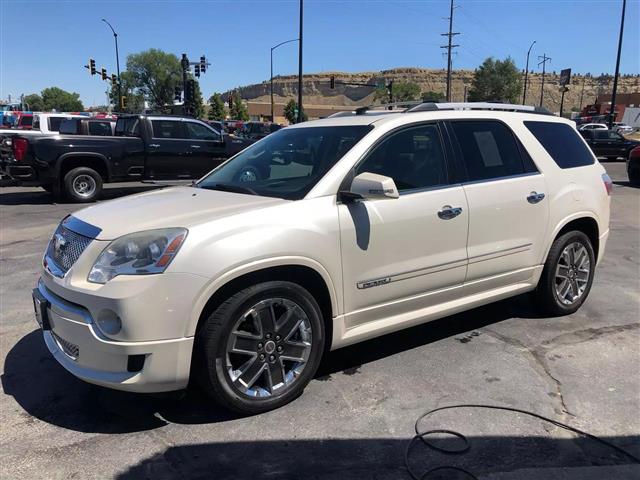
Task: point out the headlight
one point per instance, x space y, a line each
139 253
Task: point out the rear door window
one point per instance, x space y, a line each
168 129
562 143
489 150
100 128
54 123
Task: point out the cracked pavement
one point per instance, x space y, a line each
356 418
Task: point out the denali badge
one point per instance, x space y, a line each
374 283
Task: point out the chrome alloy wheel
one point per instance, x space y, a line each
84 185
572 273
268 347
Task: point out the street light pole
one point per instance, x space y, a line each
612 113
272 49
300 115
526 75
115 36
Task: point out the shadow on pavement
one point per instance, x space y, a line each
624 183
40 197
518 457
45 390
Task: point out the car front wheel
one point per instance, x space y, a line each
259 349
568 274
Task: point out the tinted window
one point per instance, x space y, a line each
413 158
562 143
288 163
167 129
100 128
54 123
68 127
489 149
614 135
128 127
200 132
601 135
26 121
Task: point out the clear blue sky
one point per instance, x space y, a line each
46 43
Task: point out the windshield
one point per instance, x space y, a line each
286 164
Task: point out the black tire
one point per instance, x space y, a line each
613 158
75 179
546 293
212 338
634 177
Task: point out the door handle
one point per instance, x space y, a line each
195 146
448 212
154 145
535 197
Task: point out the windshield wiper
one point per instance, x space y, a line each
229 187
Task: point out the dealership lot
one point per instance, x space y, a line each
356 417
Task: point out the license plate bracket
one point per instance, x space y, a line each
41 306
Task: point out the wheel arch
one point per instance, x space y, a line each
305 272
585 222
96 161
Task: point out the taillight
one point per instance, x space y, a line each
608 184
20 146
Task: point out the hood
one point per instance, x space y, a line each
169 207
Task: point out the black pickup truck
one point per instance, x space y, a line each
608 143
144 147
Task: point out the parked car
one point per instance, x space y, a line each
42 124
145 147
622 128
24 121
257 130
219 126
87 126
633 166
593 126
608 143
232 125
359 226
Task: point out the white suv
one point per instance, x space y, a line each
321 235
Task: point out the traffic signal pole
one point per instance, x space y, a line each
300 112
612 112
115 36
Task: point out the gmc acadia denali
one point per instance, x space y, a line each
321 235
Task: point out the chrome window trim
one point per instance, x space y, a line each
506 177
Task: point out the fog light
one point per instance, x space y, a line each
109 322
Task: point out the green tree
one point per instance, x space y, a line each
54 98
216 107
431 96
496 80
198 102
238 110
402 92
154 74
291 112
34 102
134 101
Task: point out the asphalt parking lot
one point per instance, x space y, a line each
356 418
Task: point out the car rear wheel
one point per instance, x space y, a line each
568 274
82 185
259 349
634 177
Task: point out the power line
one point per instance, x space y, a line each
449 46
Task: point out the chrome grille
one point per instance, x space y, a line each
70 349
65 248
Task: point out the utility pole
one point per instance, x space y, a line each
300 113
526 75
115 36
271 81
584 79
544 61
449 47
185 68
612 112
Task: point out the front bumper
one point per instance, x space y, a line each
79 346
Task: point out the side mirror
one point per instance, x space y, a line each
370 186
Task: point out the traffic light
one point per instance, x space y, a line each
333 82
190 90
196 68
92 66
203 64
123 103
177 93
103 73
114 80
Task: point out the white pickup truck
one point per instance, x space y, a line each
43 124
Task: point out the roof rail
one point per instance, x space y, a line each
381 109
504 107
